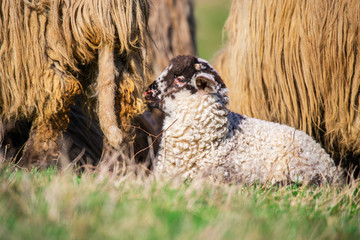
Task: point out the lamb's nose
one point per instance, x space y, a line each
149 92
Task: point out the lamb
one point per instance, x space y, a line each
201 134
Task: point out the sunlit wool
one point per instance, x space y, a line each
48 49
297 63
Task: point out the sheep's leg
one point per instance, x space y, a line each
106 89
42 147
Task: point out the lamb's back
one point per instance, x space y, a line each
266 151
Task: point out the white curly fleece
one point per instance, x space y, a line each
203 135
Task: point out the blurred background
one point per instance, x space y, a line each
210 18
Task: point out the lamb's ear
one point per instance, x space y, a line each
206 83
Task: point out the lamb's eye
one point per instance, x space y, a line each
180 79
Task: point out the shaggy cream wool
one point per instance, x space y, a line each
297 63
52 51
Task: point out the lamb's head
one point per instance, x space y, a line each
188 74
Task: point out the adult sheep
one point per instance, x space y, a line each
53 50
298 63
201 134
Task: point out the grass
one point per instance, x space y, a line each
54 204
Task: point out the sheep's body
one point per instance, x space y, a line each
202 135
175 36
51 50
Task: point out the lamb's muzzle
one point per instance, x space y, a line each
202 134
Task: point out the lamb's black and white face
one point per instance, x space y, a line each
185 73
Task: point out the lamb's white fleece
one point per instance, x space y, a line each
203 135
